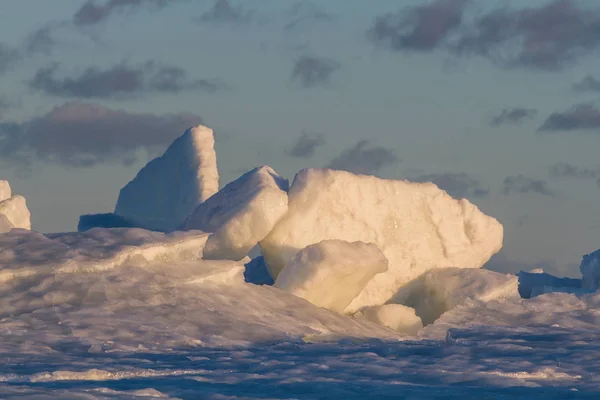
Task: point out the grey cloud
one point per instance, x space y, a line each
513 116
566 170
120 80
587 84
223 12
458 185
521 184
361 159
303 14
580 117
41 40
421 28
80 134
310 72
91 14
307 144
8 57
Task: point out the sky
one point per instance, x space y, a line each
495 101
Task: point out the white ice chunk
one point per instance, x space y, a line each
170 187
400 318
5 224
5 192
331 273
590 271
417 226
443 289
16 211
241 214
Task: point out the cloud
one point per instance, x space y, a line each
304 14
41 40
310 72
566 170
363 160
307 144
80 134
458 185
583 116
120 80
8 57
90 13
223 12
523 185
421 28
587 84
513 116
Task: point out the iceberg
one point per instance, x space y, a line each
5 224
590 271
14 208
241 214
331 273
5 190
417 226
106 220
400 318
170 187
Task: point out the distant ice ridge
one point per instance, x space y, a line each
417 226
13 210
241 214
170 187
590 271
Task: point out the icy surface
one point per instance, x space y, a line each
396 316
5 191
590 271
107 220
16 211
170 187
416 225
534 283
241 214
443 289
331 273
5 224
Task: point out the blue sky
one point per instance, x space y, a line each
493 100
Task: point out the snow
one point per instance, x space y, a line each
331 273
5 224
170 187
590 271
417 226
106 220
16 211
241 214
395 316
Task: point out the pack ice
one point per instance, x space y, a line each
241 214
417 226
13 210
170 187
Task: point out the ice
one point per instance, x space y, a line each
331 273
443 289
416 225
256 272
106 220
170 187
590 271
5 191
5 224
241 214
396 316
16 211
535 283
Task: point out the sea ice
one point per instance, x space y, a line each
170 187
16 211
331 273
5 224
400 318
417 226
535 283
590 270
241 214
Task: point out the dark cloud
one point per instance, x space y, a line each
91 13
8 57
458 185
580 117
223 12
120 80
304 14
420 28
361 159
587 84
513 116
310 72
81 135
307 144
566 170
524 185
41 40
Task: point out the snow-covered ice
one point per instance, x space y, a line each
396 316
590 271
5 224
241 214
417 226
331 273
537 282
5 190
15 210
170 187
